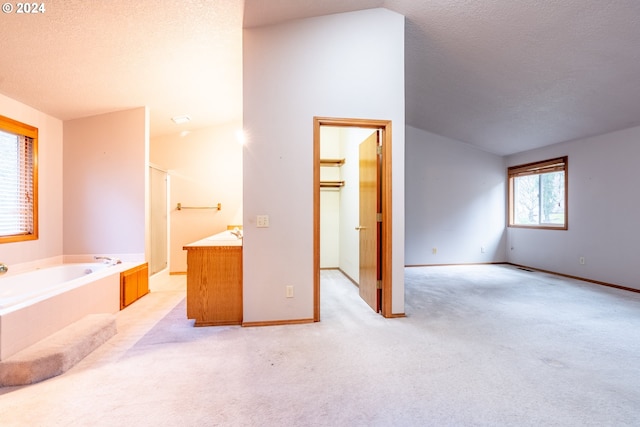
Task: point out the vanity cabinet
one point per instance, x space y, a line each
134 284
214 283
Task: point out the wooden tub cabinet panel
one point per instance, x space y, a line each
134 284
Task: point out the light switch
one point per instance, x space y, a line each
262 221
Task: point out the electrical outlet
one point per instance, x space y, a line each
582 260
481 249
434 251
289 291
262 221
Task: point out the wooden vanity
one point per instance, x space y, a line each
214 280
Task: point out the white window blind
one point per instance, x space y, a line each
17 187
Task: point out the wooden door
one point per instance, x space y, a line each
369 229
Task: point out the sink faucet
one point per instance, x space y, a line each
108 260
3 268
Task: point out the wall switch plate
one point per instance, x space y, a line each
289 291
262 221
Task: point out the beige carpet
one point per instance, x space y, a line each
481 346
58 352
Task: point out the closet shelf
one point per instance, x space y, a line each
331 184
332 162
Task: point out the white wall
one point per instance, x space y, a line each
330 229
205 168
455 202
340 209
345 65
603 212
105 175
49 243
350 139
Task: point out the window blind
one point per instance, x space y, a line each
17 198
553 165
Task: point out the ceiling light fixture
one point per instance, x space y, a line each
179 120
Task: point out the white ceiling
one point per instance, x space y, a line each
86 57
503 75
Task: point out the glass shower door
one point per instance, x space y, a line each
158 221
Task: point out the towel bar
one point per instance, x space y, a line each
217 207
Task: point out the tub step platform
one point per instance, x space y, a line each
59 352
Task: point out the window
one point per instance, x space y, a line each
538 194
18 181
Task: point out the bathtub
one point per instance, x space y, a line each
38 303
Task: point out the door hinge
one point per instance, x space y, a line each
379 150
379 284
379 217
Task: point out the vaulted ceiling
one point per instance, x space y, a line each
502 75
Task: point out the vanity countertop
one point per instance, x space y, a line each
225 238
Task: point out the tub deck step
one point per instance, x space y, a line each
59 352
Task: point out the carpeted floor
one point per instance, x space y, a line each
480 346
172 328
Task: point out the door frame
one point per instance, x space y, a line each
385 127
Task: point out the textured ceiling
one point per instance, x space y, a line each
513 75
82 58
506 76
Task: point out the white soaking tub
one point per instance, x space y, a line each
38 303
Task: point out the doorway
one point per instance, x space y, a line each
377 291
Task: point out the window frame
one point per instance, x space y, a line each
538 168
15 127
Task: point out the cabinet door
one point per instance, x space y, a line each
129 287
214 285
134 283
143 281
